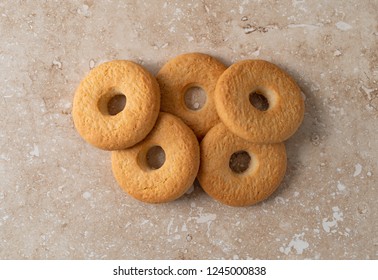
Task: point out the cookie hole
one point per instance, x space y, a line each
116 104
155 157
258 100
239 162
195 98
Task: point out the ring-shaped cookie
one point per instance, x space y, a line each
174 177
90 106
232 99
262 177
189 71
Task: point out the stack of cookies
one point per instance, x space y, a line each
240 115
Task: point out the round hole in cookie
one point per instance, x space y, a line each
258 100
195 98
239 161
116 104
155 157
111 102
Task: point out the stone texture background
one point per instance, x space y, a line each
58 197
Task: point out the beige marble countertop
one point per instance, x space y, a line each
58 197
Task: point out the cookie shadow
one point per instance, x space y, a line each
311 131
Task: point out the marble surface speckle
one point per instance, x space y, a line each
58 197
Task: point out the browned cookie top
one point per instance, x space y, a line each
259 102
95 112
184 75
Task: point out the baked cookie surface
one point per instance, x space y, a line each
260 177
183 73
93 116
174 177
247 80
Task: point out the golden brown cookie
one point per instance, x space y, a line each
157 184
92 108
278 108
187 72
251 181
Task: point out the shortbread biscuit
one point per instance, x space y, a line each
91 113
240 82
182 73
261 178
174 177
